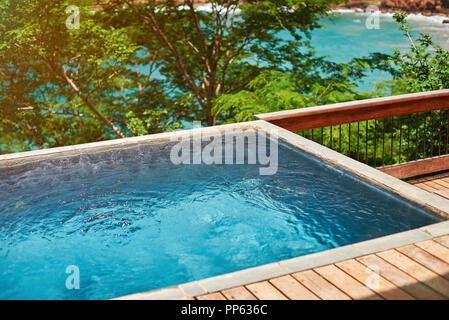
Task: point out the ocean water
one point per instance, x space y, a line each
345 36
130 221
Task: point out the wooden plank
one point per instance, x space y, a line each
442 183
426 259
238 293
399 278
444 240
347 284
417 168
417 271
373 280
265 291
293 289
420 180
443 193
424 186
347 112
212 296
435 249
319 286
434 185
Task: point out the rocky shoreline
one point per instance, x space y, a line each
424 7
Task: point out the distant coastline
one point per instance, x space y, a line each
429 8
438 19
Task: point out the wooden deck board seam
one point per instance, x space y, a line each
414 277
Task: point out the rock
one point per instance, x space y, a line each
446 21
388 3
426 7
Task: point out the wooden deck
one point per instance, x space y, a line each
436 184
418 271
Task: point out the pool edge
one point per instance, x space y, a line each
418 196
425 199
281 268
19 158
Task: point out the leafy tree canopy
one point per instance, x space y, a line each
426 66
139 67
58 84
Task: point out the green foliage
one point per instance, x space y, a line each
275 91
387 141
400 139
58 84
135 68
202 55
138 68
391 87
426 66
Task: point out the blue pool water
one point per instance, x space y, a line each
131 221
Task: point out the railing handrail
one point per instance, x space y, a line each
353 111
413 140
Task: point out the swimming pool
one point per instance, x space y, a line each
130 220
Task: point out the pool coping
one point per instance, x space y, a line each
436 204
19 158
285 267
264 272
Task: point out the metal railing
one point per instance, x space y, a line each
405 136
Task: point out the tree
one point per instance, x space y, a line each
58 84
274 90
426 66
136 67
203 54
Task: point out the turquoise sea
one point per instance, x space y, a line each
345 36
